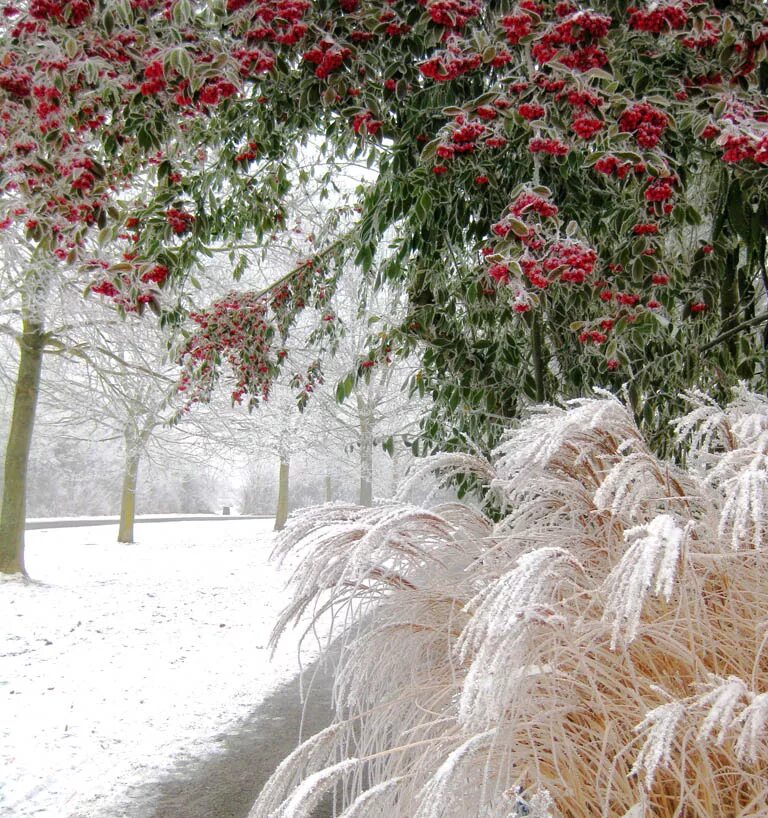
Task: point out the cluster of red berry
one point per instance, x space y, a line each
364 122
328 56
572 41
661 18
454 14
645 122
179 220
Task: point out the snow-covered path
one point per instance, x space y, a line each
121 660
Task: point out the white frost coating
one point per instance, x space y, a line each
349 549
496 637
703 429
306 796
722 702
541 805
447 464
632 479
369 797
752 742
456 625
552 429
438 792
660 726
720 705
315 751
743 520
653 555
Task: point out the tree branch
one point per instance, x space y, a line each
724 336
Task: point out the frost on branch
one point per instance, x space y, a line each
307 759
721 702
752 742
442 785
368 803
579 438
447 465
726 710
601 642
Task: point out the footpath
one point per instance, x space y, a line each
226 784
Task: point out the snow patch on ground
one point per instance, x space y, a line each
118 660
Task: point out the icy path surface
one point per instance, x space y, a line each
122 659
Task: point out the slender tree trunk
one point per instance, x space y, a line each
366 462
328 488
281 515
128 496
395 474
537 345
729 302
13 513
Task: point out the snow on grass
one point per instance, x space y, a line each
119 660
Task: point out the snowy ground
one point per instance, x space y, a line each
120 660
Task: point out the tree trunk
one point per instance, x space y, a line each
537 350
729 302
328 489
128 496
366 460
13 513
281 515
396 476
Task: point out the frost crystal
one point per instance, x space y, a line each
660 726
652 555
722 702
368 799
439 789
540 805
497 636
307 795
744 521
752 743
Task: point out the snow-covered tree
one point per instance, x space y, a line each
125 389
371 405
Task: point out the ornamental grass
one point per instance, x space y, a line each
600 650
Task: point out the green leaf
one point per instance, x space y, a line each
518 228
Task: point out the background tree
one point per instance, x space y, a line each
575 194
128 386
371 406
